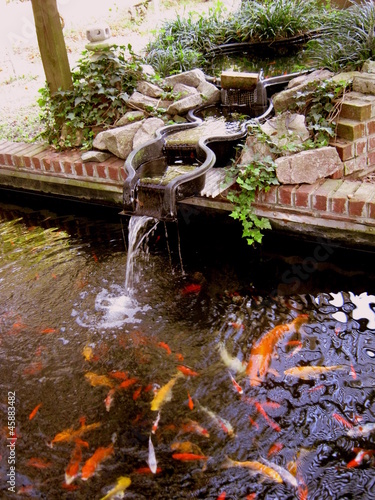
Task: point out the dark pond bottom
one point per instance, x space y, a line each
76 348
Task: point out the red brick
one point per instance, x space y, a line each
360 147
78 168
37 160
370 143
371 159
358 203
371 209
285 194
271 195
68 168
358 163
47 164
26 159
321 196
57 165
101 169
350 130
123 173
89 167
370 127
345 149
340 198
302 195
113 172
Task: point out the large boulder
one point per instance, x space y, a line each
192 78
118 141
147 131
286 128
309 166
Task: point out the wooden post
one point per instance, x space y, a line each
52 45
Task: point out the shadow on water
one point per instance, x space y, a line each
265 421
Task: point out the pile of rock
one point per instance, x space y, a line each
170 101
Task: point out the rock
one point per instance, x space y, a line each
183 90
364 83
184 105
308 166
192 78
147 131
286 128
147 69
98 156
253 150
285 99
118 141
130 117
209 92
149 89
368 66
141 101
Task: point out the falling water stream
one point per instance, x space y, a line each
97 318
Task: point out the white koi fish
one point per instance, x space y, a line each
231 362
220 421
286 476
151 456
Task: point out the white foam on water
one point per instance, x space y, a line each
363 309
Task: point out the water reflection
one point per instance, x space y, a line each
78 352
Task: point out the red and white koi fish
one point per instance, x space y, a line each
233 363
360 457
362 430
109 399
72 470
155 424
220 421
91 465
152 463
263 350
342 420
235 384
194 427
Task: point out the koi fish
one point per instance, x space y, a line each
164 394
166 347
231 362
48 330
262 411
187 371
88 353
155 424
194 427
274 449
71 472
186 457
360 457
137 393
192 288
119 375
35 411
284 473
109 399
262 351
311 372
190 402
97 380
362 430
256 467
127 383
152 463
342 420
146 470
38 463
95 460
235 384
220 421
186 447
122 484
70 434
222 496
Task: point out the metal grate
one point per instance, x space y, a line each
238 97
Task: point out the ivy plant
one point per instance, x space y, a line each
102 83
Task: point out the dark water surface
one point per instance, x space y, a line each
65 313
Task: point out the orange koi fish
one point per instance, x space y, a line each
186 457
192 288
39 463
48 330
274 449
222 496
311 372
97 380
286 476
33 368
146 470
164 394
263 350
186 447
193 427
128 383
95 460
70 487
190 402
187 371
69 435
72 469
137 393
119 375
256 467
165 346
254 423
35 411
179 357
360 457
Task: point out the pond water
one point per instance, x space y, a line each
93 335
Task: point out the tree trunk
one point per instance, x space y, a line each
52 45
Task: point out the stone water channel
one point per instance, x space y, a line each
82 343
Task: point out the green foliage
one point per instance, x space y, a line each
101 86
257 176
348 39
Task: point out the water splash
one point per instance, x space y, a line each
139 230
